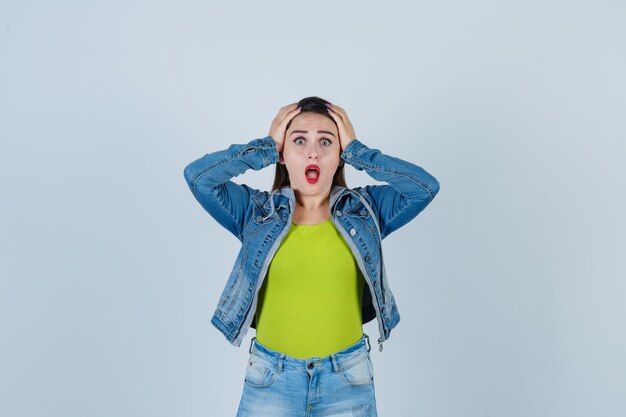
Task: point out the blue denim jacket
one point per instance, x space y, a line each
260 220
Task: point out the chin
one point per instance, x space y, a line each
313 188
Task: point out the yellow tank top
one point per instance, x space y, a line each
310 301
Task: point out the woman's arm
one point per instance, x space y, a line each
410 187
209 179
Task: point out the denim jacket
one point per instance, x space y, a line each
260 220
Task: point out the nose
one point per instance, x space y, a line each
313 154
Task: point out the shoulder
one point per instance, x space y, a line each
269 201
363 193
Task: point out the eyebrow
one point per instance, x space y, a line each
306 131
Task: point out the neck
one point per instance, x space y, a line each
312 202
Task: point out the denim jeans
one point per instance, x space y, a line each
278 385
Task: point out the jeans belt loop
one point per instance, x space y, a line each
281 360
333 359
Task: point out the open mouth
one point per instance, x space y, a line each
312 173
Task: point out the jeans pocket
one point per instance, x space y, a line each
360 372
259 373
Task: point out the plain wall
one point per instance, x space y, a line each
110 270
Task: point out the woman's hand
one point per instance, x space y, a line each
279 124
346 131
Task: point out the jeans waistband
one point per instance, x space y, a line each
335 361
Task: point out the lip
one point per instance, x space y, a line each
315 167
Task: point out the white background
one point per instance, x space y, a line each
510 284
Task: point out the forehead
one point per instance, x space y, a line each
312 122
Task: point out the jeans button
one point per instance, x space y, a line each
310 365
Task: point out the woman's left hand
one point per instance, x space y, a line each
346 131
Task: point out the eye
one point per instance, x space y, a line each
298 141
326 142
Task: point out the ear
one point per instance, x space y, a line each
280 159
341 162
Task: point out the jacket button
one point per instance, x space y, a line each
363 212
338 213
367 258
352 231
349 155
259 219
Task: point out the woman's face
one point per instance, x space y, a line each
312 141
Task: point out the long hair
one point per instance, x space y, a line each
312 105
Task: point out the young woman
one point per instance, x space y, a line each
310 270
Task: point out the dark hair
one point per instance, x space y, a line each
309 105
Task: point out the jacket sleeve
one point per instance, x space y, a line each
410 188
209 179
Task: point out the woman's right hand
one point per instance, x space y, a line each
279 124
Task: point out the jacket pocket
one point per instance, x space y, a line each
356 208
